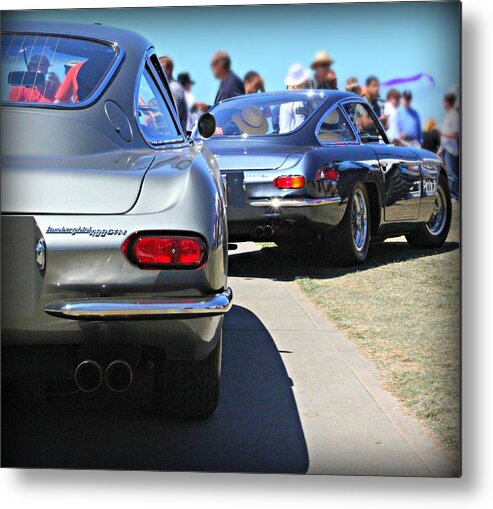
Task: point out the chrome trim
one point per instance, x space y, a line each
360 100
121 308
337 106
279 203
40 253
439 216
144 65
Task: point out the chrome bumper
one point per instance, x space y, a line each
141 309
280 203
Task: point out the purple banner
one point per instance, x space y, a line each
399 81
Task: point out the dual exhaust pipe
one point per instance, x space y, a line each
89 376
264 231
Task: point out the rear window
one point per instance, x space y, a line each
264 114
42 69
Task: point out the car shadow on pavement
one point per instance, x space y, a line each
256 427
286 265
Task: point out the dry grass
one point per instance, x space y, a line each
404 314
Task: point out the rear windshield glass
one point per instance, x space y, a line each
41 69
264 114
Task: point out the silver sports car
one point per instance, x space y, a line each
114 237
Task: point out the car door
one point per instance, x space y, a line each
343 152
400 168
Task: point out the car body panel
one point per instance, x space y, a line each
402 179
79 181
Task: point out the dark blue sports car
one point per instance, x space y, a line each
315 166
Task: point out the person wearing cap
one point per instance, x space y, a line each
27 93
194 107
289 113
408 122
231 85
253 83
177 90
322 77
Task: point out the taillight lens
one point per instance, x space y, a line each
290 182
163 251
331 174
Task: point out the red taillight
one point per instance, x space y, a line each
331 174
289 182
163 251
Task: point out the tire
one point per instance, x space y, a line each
434 233
348 244
188 390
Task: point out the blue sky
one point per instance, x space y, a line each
388 40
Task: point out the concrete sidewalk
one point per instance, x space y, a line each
350 424
296 396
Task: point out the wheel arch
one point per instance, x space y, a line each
374 202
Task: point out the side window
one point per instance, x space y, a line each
153 115
364 122
335 128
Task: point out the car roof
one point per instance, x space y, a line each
331 96
125 39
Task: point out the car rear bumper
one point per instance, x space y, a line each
283 203
120 308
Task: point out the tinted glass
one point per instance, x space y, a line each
153 115
364 122
264 115
335 128
44 69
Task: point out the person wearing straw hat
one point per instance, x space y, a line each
353 86
289 116
251 120
322 78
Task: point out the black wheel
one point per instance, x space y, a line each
348 244
188 390
434 233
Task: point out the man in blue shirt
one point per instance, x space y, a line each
231 85
408 122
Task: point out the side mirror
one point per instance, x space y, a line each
206 125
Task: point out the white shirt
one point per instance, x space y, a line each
192 117
393 127
451 124
289 120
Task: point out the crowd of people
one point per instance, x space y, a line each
401 121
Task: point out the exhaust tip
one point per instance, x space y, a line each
118 376
88 376
269 231
259 231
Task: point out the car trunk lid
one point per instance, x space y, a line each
249 155
95 184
